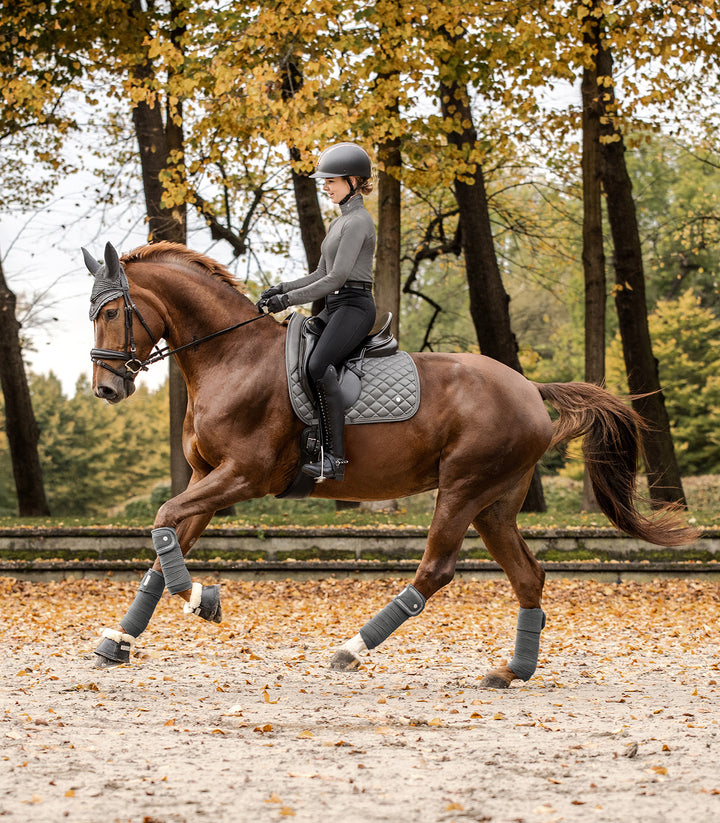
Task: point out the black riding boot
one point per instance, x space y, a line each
331 414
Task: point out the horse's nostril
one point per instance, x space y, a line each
106 392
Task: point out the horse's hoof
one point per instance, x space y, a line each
494 681
344 661
102 662
205 602
113 650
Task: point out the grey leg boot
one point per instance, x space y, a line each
331 465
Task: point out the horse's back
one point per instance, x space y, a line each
478 385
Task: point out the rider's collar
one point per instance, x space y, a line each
354 202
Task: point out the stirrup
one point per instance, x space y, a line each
328 467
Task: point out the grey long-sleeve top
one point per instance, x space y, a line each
346 254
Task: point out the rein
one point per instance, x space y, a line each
132 364
161 354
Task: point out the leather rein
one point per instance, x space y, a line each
132 365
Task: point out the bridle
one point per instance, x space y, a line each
132 365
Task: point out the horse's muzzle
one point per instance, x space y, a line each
113 389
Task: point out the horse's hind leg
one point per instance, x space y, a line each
115 645
497 526
451 519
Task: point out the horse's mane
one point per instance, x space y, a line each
165 252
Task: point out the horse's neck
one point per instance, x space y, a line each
198 309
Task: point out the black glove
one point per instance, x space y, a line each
277 302
268 293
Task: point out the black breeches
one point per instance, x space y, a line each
351 315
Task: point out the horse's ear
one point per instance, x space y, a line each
112 262
92 264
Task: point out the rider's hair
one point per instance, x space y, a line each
364 185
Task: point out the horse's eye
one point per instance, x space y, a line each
111 314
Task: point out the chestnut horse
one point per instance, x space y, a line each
479 431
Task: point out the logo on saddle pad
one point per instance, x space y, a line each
379 383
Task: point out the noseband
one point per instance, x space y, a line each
132 365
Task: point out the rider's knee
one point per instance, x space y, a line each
316 369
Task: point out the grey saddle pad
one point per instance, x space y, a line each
389 390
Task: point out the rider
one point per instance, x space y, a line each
344 277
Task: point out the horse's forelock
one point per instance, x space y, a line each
166 252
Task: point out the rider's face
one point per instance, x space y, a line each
336 188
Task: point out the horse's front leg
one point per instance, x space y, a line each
115 645
437 568
178 524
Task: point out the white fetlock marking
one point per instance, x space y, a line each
355 645
118 637
193 605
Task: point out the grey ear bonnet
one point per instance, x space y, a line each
110 280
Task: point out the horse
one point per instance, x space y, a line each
479 431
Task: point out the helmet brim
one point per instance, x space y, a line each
323 175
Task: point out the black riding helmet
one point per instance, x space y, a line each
343 160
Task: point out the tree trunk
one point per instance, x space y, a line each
641 366
593 254
387 258
157 141
312 228
489 302
20 426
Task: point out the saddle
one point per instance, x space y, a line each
379 343
378 383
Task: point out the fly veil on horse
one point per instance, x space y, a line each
476 436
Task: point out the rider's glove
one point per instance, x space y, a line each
268 293
277 302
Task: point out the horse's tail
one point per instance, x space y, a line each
612 449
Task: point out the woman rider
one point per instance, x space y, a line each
344 277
